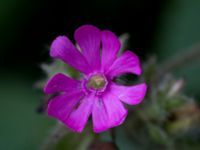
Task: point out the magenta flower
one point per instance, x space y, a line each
95 94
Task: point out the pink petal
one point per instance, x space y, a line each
110 48
128 62
88 38
79 116
107 112
61 106
62 83
63 49
131 95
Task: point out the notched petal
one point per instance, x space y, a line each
107 112
88 38
110 48
128 62
62 48
62 83
131 95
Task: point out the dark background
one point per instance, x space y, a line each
31 26
162 28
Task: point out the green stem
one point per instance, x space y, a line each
113 137
112 134
180 60
58 132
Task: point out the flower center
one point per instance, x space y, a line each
96 82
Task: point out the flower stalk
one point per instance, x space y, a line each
57 133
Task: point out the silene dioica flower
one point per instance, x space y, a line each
95 94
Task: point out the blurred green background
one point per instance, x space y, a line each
160 28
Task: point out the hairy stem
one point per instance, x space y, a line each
178 61
113 137
112 134
192 54
58 132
